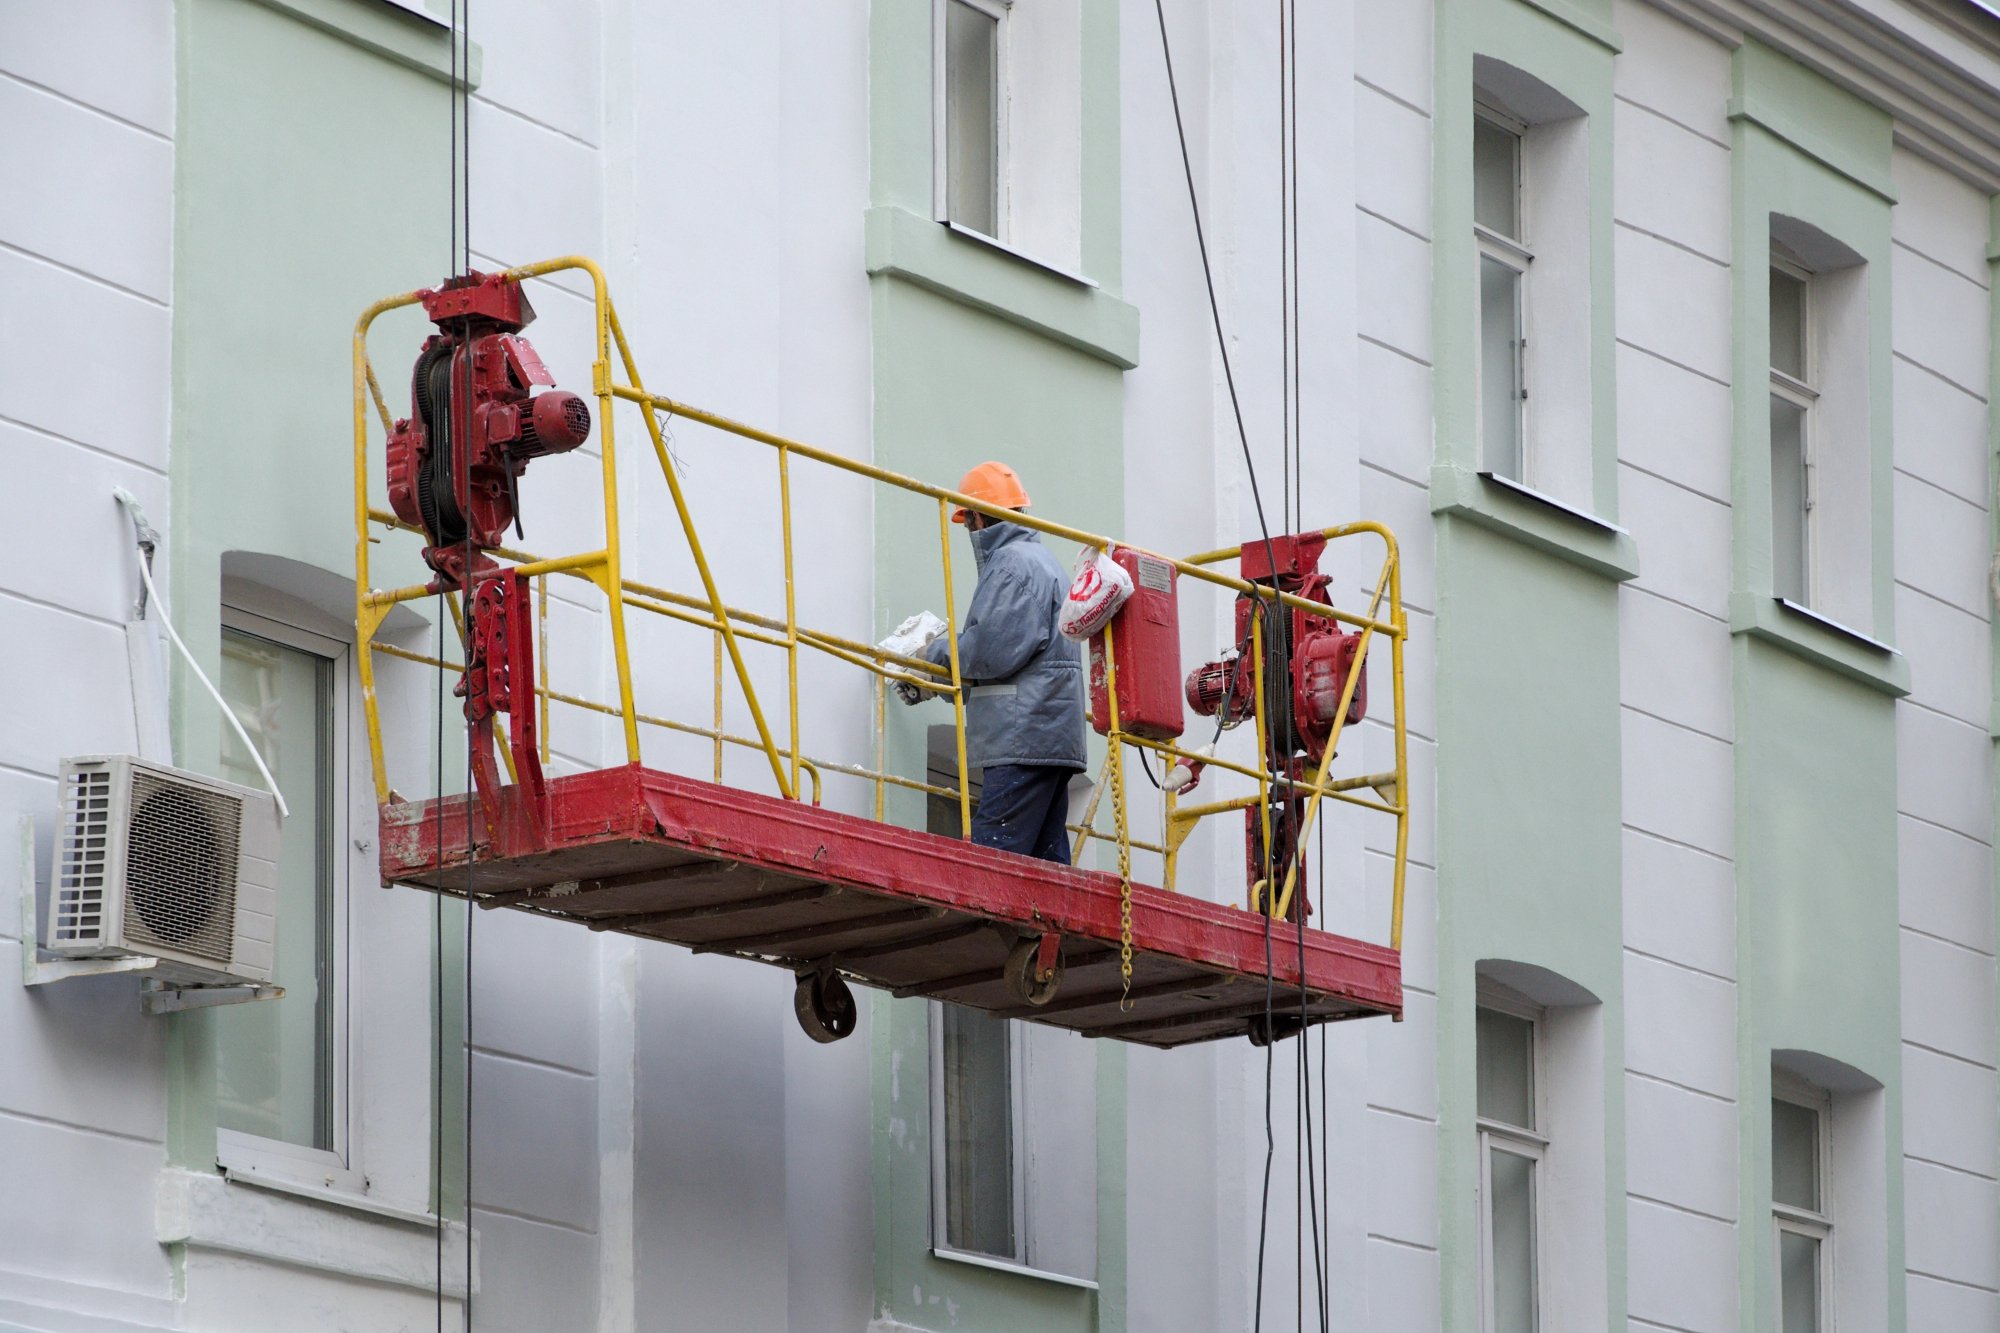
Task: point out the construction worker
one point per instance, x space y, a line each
1024 704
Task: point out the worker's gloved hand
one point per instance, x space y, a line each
910 639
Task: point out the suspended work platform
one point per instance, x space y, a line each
726 871
829 895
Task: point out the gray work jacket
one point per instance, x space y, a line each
1025 701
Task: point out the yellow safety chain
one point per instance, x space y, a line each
1114 760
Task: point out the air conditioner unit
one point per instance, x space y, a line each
156 862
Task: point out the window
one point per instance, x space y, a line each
1793 398
1503 269
970 37
1532 236
1013 1146
981 1198
1510 1160
1800 1204
280 1066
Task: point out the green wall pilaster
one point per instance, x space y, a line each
962 376
311 178
1569 48
1818 946
1529 816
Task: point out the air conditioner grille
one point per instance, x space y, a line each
180 867
79 905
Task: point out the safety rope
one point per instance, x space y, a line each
1281 641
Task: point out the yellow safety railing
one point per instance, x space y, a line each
731 627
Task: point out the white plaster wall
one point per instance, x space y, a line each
1944 784
86 241
1671 205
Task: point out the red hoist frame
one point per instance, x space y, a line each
454 467
826 895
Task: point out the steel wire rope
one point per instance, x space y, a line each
1307 1199
483 736
1283 647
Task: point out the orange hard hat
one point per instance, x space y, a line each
996 484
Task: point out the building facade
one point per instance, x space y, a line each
1659 332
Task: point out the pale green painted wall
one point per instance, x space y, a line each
955 386
1528 787
1570 48
310 180
1807 150
1818 947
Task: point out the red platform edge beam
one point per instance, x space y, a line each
637 804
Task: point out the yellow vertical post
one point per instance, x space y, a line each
542 659
1402 741
791 606
613 568
365 618
1263 903
881 743
957 681
718 708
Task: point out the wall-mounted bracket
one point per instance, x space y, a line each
157 997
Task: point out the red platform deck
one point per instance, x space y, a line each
721 870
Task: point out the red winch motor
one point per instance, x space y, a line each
1307 659
454 465
474 426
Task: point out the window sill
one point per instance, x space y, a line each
321 1230
988 276
1008 1266
1536 520
390 31
1826 643
981 238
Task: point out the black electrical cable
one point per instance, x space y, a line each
1270 555
1147 767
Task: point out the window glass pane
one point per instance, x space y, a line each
1496 177
1500 367
1513 1242
274 1071
1795 1155
1788 324
978 1133
1788 499
1798 1283
1506 1068
971 117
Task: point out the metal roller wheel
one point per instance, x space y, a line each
825 1007
1022 983
1282 1025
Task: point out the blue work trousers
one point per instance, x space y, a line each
1024 808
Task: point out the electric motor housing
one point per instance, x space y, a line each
1146 652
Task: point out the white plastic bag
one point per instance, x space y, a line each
1100 587
910 639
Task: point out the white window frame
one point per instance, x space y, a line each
1017 1148
997 10
1786 1087
252 1156
1803 394
1524 1141
1515 253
